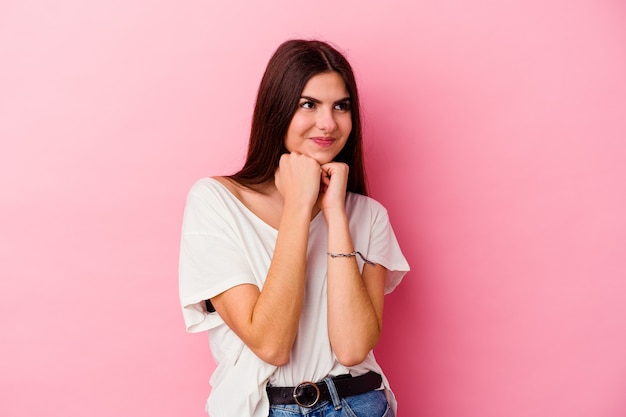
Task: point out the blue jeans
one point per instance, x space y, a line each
370 404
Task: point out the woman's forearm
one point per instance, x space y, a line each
267 320
354 305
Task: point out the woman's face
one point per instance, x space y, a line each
322 123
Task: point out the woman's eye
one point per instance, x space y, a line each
307 105
343 106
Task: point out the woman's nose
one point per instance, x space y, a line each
326 121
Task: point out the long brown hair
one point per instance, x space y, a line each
287 72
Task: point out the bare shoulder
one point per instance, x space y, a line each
245 192
263 199
231 185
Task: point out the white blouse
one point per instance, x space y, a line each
223 245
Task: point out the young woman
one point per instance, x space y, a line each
286 262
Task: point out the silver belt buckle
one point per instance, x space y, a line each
303 390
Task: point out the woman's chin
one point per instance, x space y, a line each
322 158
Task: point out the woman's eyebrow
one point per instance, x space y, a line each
316 101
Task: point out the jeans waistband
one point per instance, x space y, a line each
307 394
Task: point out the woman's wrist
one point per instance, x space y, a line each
297 208
335 214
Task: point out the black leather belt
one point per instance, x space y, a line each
307 394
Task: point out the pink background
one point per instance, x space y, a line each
496 137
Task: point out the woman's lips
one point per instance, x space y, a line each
323 141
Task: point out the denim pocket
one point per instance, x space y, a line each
370 404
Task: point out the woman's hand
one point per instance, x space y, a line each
298 179
267 319
355 299
333 187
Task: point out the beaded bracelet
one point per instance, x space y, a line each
350 255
